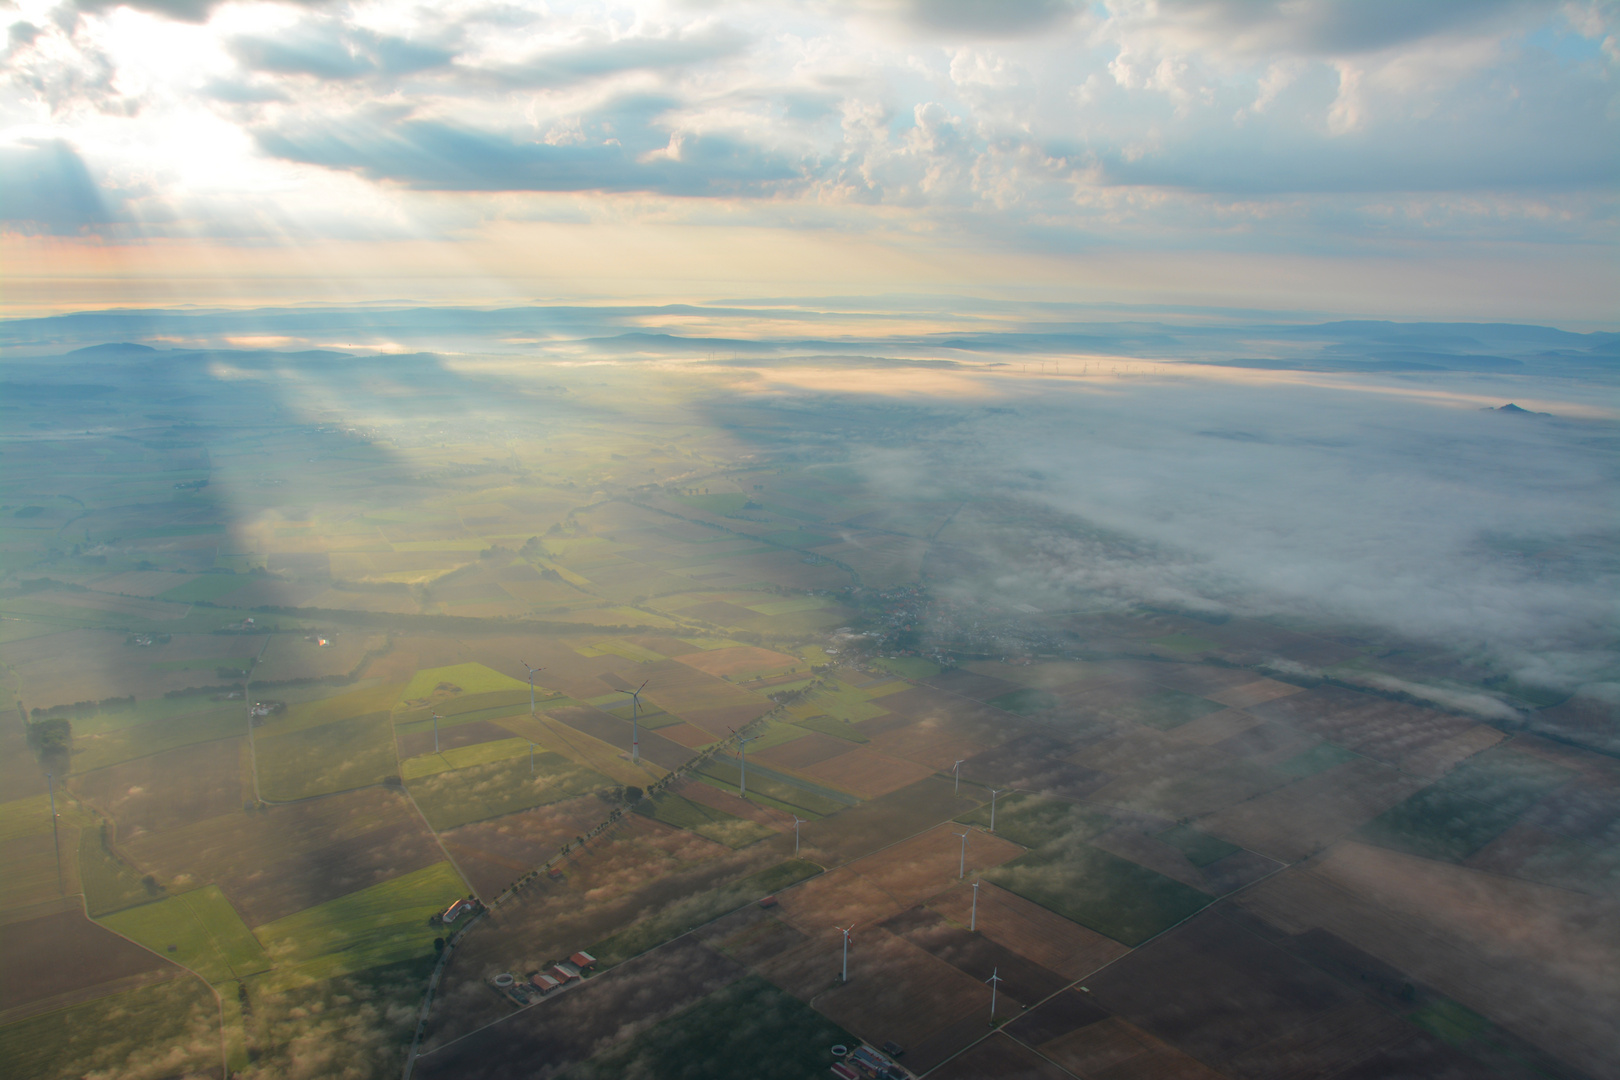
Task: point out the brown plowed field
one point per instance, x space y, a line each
1389 731
867 773
286 858
511 845
1537 960
67 955
1215 728
546 1038
1308 815
688 735
1114 1048
1254 693
800 753
170 789
863 829
1266 742
741 660
925 865
895 991
928 742
1030 930
836 898
721 721
999 1058
1232 999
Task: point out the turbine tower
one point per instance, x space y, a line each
532 670
742 755
635 728
531 759
55 841
961 870
993 793
973 919
797 821
957 769
436 719
994 980
845 931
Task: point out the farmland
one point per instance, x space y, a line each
1177 808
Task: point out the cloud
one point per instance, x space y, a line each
1325 28
440 155
1382 514
48 189
598 56
329 50
191 11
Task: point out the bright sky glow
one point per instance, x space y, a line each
1454 158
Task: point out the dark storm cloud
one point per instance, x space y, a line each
48 189
440 155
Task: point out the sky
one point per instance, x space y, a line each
1444 159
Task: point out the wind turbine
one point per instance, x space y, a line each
532 670
961 871
994 981
635 728
993 793
973 919
742 755
845 931
436 719
957 769
55 841
797 821
531 759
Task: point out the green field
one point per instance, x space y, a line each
205 587
1111 895
1200 848
693 911
725 503
1475 803
1165 711
461 796
797 603
199 929
223 720
789 793
907 667
463 757
829 725
109 883
471 678
1026 701
384 924
174 1022
1183 643
1319 758
1033 820
322 760
716 825
750 1030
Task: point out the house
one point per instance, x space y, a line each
844 1072
456 910
543 982
583 960
564 972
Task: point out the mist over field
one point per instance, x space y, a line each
913 539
